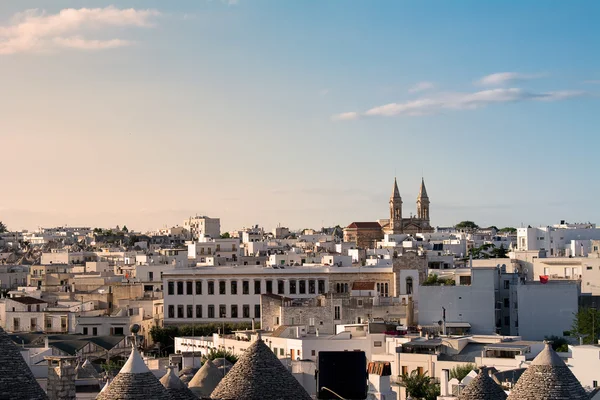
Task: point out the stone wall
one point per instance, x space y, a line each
409 260
61 378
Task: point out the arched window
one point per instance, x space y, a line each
409 285
345 288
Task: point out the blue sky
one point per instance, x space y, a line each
297 112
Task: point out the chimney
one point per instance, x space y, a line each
61 377
253 325
46 342
444 382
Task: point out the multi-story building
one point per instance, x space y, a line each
202 225
207 294
556 241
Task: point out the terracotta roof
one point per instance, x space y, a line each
16 379
363 286
482 387
28 300
548 378
259 374
365 225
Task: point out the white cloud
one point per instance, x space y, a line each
458 101
421 87
506 78
347 116
36 31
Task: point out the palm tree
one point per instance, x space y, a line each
420 386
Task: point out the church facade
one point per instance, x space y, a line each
365 234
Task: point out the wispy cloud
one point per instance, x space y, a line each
36 31
323 92
458 101
421 87
506 78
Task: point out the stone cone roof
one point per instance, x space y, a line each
548 378
206 379
134 382
16 380
482 387
177 389
86 370
259 375
186 374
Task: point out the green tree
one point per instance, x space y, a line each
460 371
420 386
587 324
508 229
124 229
499 252
466 225
3 228
216 354
225 235
558 343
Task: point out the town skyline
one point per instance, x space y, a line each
263 112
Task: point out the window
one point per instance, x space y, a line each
257 289
211 311
257 311
280 287
150 276
63 324
409 285
506 302
171 287
312 286
33 324
275 350
95 331
595 384
420 371
189 286
506 284
321 286
377 343
313 353
507 321
118 331
222 311
293 286
404 370
198 287
85 330
211 287
179 287
37 308
222 287
588 268
48 323
276 321
198 310
234 311
29 308
190 311
338 312
311 322
269 286
233 287
245 287
246 311
359 302
171 311
302 287
180 311
281 352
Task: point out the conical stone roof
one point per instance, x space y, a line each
186 374
548 378
206 379
259 375
134 382
482 387
86 370
177 389
16 380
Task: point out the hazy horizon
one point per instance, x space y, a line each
266 112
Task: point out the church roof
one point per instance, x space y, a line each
16 378
482 387
395 191
423 191
548 378
206 379
134 382
259 374
177 389
365 225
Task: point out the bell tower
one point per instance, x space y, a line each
423 203
395 210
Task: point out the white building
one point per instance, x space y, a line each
203 225
556 240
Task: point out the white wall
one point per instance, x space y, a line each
585 364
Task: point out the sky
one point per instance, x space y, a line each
298 113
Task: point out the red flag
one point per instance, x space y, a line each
544 279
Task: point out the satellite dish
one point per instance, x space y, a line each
525 270
134 328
